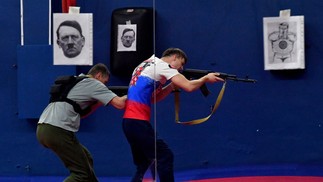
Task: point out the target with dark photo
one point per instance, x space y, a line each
127 37
72 35
284 43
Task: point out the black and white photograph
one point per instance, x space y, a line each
127 37
284 42
72 39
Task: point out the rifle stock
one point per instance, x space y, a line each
119 90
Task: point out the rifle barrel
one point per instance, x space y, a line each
196 73
242 79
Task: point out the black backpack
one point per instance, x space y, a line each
60 89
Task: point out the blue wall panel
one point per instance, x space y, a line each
36 73
36 22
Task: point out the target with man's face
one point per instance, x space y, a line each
127 35
72 39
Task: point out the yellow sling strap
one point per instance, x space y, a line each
198 121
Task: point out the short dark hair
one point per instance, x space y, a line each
70 23
99 68
178 52
128 30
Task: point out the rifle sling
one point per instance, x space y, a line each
201 120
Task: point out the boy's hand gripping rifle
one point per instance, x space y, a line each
196 74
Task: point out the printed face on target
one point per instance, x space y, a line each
128 37
70 38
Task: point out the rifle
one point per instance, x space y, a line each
196 74
119 90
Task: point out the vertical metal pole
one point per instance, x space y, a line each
21 22
49 22
155 105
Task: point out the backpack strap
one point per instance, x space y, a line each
60 89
